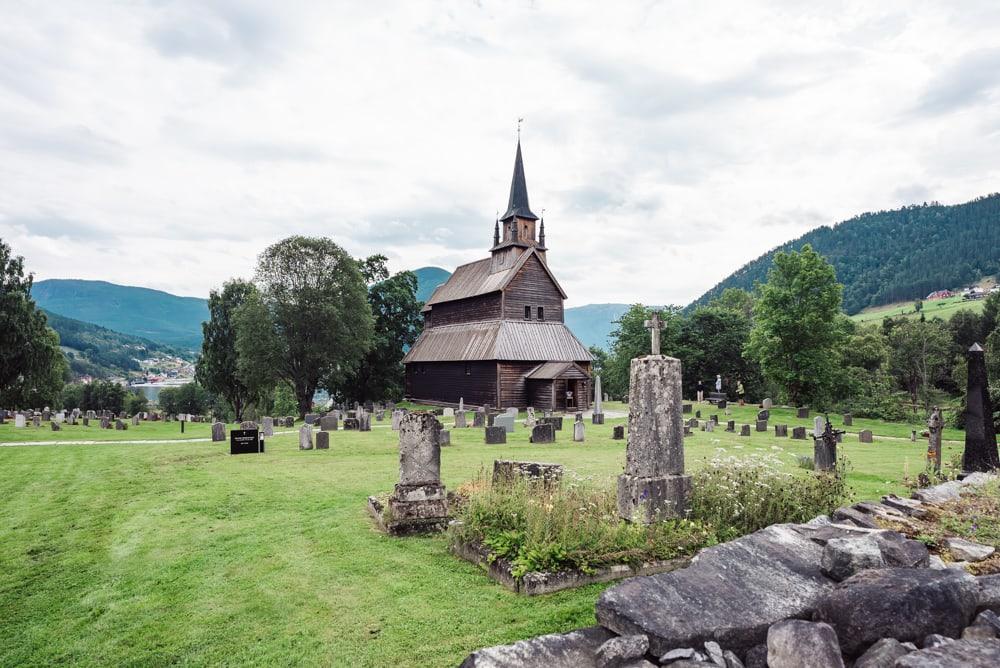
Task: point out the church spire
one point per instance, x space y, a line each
517 205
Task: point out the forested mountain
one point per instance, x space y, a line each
890 256
428 278
150 314
100 352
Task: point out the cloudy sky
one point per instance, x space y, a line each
165 144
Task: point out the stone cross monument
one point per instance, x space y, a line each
654 324
934 426
654 486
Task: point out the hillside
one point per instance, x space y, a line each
593 323
96 351
428 278
938 308
899 255
151 314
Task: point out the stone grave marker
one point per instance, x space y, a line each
444 438
352 424
697 414
506 472
479 419
306 437
268 427
578 431
685 408
709 425
135 420
745 430
980 452
825 449
86 422
495 435
767 403
935 424
781 430
543 432
731 425
654 486
819 426
397 420
311 418
36 420
802 412
365 421
245 442
799 433
449 412
512 412
761 425
848 419
529 420
120 425
764 415
19 420
289 421
714 419
218 432
460 420
419 502
597 417
504 421
865 436
248 424
55 425
618 433
721 405
556 422
322 440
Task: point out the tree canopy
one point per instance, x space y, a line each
218 368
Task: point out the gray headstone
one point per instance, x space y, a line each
761 425
449 412
512 412
19 420
444 438
460 420
819 425
781 430
848 419
55 425
731 425
218 432
268 427
495 435
311 418
654 485
505 421
397 420
618 433
865 436
578 432
799 433
802 413
419 449
764 415
745 430
322 440
543 433
767 403
306 437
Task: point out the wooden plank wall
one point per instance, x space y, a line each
513 386
474 309
532 287
448 382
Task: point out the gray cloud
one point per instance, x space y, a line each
75 143
54 226
972 79
915 193
240 149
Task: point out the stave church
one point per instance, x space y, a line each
494 332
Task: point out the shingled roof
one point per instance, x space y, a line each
511 340
517 204
474 279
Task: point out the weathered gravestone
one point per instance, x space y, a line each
708 426
802 413
764 415
306 437
693 423
479 419
865 436
799 433
745 430
289 421
311 418
55 425
444 438
556 422
505 421
598 415
819 426
365 421
654 486
685 408
379 415
268 427
120 425
722 404
37 420
86 422
352 424
761 425
512 412
529 420
543 432
135 420
322 440
218 432
767 404
825 448
248 424
419 502
328 423
731 425
397 419
507 472
495 435
618 433
448 412
781 430
460 420
19 420
714 419
578 432
245 442
981 452
935 424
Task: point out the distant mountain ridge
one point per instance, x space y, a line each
890 256
428 278
150 314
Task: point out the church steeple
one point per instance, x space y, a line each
517 204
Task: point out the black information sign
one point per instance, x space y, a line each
245 441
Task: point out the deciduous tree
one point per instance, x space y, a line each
218 368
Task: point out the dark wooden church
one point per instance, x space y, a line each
494 332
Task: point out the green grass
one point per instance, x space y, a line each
938 308
146 431
180 553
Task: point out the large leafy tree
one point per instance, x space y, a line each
711 342
218 369
32 366
311 321
920 354
396 312
796 332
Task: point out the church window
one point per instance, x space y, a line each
541 313
527 313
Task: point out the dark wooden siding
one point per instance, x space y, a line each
532 287
473 309
513 387
448 382
540 394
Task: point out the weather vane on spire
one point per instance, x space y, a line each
519 121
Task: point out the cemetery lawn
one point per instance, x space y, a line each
180 553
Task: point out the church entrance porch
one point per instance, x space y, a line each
559 386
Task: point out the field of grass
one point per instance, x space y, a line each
180 553
938 308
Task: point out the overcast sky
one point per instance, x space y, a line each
166 144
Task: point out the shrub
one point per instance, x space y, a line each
574 526
741 495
